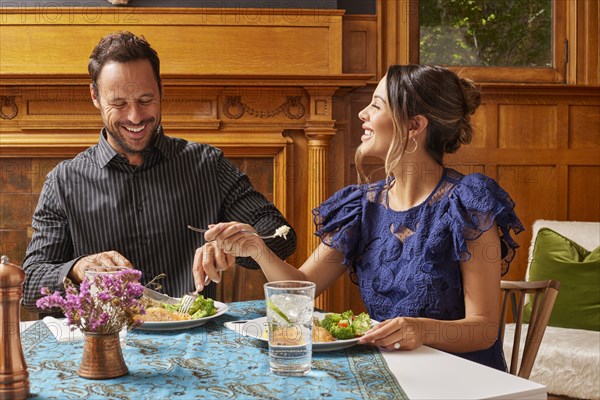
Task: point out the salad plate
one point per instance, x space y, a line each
257 329
185 324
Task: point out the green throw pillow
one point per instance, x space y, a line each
578 270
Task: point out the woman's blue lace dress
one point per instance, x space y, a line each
406 263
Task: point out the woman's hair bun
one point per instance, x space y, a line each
471 94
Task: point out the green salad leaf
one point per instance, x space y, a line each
201 308
346 325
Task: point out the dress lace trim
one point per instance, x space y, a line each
461 209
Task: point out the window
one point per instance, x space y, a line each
496 40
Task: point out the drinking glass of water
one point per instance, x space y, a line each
289 317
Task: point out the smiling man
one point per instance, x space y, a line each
129 104
127 201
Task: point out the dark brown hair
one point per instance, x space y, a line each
122 47
438 94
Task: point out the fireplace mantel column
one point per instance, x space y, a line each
319 129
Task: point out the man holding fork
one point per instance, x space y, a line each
127 201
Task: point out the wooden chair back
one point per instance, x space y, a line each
543 295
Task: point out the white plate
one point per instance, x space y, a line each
186 324
255 328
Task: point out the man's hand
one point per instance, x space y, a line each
97 262
209 262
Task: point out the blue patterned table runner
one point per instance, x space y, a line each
209 361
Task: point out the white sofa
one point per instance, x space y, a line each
568 361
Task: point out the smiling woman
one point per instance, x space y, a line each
413 245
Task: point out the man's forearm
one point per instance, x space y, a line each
42 274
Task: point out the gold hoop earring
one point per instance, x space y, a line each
414 149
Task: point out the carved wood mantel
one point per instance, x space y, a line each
241 79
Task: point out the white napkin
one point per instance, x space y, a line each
63 333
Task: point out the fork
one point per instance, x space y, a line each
186 302
243 230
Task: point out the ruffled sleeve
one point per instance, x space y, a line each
338 221
471 208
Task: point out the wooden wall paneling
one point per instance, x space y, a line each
359 44
483 136
584 127
587 54
534 189
335 180
562 186
562 125
355 102
15 202
562 144
298 180
583 193
261 41
338 151
524 126
548 146
398 30
345 294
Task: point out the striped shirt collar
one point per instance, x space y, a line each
162 146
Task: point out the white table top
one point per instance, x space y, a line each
427 373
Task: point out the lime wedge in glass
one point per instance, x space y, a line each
278 311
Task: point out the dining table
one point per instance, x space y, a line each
213 361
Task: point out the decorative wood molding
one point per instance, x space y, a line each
19 81
8 102
292 108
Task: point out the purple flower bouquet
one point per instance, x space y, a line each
113 303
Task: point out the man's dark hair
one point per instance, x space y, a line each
122 47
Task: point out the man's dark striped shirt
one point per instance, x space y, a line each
99 202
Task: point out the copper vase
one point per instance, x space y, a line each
102 357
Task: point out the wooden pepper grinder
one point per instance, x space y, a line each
14 378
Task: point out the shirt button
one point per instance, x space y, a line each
140 207
144 241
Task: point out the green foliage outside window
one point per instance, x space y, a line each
503 33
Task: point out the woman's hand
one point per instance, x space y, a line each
395 334
231 241
224 242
